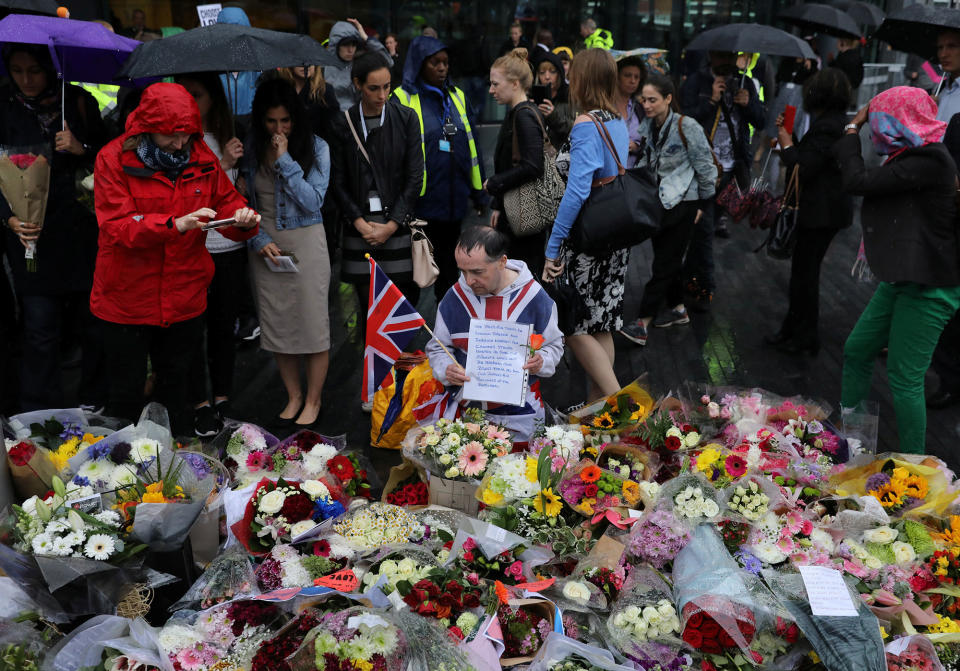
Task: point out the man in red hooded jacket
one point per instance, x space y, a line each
155 186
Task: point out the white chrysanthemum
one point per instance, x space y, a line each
73 539
42 544
122 476
61 548
767 552
108 517
284 553
97 470
56 527
555 433
822 539
383 640
99 547
293 574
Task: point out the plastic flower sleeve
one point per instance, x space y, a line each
750 498
29 645
691 499
229 576
83 648
557 647
842 643
142 645
492 540
643 613
576 594
342 634
911 652
20 424
429 645
721 606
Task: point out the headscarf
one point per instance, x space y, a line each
902 118
46 106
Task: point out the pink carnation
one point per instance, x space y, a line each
256 461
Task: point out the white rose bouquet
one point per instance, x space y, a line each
749 500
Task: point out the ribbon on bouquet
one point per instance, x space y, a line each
615 518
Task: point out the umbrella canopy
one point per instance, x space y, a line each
822 19
914 28
48 7
863 13
751 38
224 47
81 50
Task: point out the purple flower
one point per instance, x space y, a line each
99 450
749 563
81 481
876 481
71 431
198 464
120 453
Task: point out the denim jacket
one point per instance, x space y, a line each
298 198
686 171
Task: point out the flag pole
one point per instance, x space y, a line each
430 331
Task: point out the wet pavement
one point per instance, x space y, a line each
721 347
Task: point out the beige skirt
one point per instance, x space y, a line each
294 316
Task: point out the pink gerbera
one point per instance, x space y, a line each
735 465
473 459
256 460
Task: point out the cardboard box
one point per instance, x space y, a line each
454 494
544 609
403 471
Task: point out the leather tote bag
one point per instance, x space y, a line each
621 211
783 234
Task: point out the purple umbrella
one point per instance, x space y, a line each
82 51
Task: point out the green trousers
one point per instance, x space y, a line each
906 318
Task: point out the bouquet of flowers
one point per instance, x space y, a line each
750 499
643 612
245 451
916 653
903 484
286 567
273 653
525 624
564 653
512 477
355 639
461 449
657 538
590 490
227 577
409 492
691 498
563 444
410 564
813 439
25 183
627 462
281 511
448 595
505 566
219 638
352 476
379 524
620 413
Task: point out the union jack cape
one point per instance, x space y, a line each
392 322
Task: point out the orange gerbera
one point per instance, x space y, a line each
501 591
591 474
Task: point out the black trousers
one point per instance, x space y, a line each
946 358
45 321
443 236
172 351
803 314
223 308
669 246
529 248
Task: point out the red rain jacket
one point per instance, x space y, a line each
147 271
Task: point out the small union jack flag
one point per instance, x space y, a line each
391 324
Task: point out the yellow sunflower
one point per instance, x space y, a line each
916 486
890 495
604 421
547 503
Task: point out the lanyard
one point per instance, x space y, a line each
363 120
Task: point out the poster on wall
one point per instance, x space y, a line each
208 13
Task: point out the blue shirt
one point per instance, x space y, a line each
948 103
590 159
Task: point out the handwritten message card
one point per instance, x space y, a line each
827 592
495 361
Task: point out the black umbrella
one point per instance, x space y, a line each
751 38
48 7
915 28
224 47
863 13
821 19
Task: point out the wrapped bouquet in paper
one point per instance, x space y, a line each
644 613
561 653
912 485
406 486
355 638
495 554
525 625
282 511
25 183
618 413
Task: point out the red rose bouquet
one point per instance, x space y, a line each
703 632
25 183
505 567
411 492
446 594
352 476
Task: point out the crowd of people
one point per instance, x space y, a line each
315 169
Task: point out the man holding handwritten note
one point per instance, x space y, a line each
500 327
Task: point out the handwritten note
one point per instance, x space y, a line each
827 592
495 361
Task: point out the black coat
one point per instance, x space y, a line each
909 212
850 63
509 175
67 247
823 202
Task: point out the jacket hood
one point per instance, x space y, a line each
540 55
233 15
421 48
341 31
523 276
167 109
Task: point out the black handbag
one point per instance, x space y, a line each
621 211
783 234
571 310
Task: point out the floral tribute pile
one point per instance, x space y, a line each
674 536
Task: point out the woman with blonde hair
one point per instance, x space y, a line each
510 78
318 99
587 159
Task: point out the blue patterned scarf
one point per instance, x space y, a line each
156 159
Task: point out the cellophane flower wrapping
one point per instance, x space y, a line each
205 537
557 648
691 499
644 613
590 490
25 183
842 643
393 564
492 541
721 606
429 645
305 455
461 449
29 456
229 576
750 498
244 449
369 636
84 647
912 653
576 593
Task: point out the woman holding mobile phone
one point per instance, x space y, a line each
550 93
287 170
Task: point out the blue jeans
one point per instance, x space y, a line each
44 323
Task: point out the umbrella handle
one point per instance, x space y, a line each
63 102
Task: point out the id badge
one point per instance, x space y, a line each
445 146
375 205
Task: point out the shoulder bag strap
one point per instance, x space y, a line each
356 137
793 188
716 122
605 136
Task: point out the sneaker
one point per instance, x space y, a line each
673 317
366 406
249 329
205 422
635 332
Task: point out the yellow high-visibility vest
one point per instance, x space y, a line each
599 38
104 94
459 101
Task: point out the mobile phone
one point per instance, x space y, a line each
218 223
540 92
789 115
